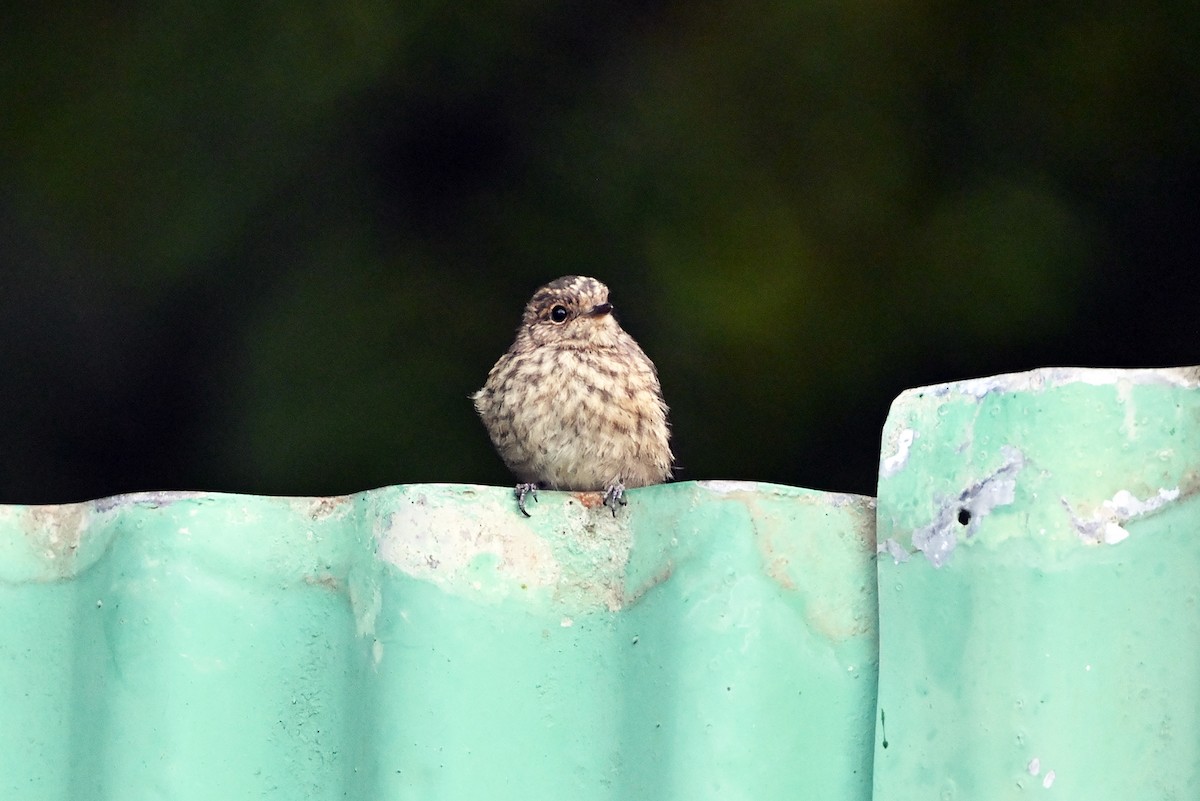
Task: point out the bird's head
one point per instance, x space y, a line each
572 310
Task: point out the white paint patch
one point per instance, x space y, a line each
479 545
890 465
567 622
1124 503
839 499
1107 523
894 549
1049 780
727 485
1114 533
441 542
153 499
1035 766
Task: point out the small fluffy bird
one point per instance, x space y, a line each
575 404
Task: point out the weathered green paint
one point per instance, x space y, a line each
1038 583
715 640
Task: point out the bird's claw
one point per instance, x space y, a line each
521 491
614 496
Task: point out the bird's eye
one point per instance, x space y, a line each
558 314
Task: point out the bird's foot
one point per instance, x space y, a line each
523 490
614 496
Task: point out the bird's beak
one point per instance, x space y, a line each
601 310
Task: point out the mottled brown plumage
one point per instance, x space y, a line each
575 404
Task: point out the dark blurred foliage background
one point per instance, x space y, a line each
273 247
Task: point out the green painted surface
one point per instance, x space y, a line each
1038 583
716 640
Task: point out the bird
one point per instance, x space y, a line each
574 403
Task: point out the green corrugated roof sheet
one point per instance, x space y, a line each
713 640
1036 594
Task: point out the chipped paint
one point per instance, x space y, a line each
893 548
54 542
890 465
727 485
442 543
1107 523
485 549
801 555
938 539
328 508
1036 381
56 531
153 499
